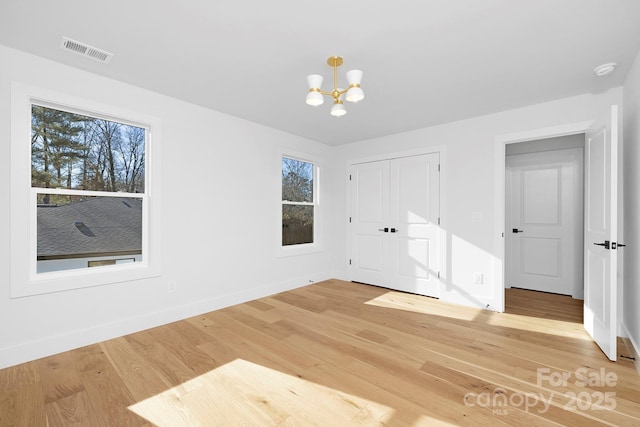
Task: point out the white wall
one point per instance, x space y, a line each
470 187
219 220
631 209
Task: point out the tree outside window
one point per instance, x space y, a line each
74 151
298 202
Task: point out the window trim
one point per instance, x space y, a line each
303 248
24 279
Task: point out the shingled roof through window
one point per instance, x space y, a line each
91 227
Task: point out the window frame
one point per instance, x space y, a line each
25 281
301 248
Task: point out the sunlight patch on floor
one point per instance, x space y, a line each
541 325
243 393
425 305
420 304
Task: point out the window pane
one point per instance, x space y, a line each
297 180
74 151
73 230
297 224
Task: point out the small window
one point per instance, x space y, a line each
299 200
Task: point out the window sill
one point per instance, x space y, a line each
44 283
295 250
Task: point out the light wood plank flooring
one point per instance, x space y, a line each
336 354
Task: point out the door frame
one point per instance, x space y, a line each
500 149
441 150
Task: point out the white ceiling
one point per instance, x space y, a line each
425 62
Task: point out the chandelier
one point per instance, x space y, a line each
352 94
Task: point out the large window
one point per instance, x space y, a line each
82 213
299 201
88 182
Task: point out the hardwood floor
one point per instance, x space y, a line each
336 354
543 305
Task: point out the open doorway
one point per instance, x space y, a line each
544 210
600 213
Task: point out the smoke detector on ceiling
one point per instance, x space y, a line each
85 50
604 69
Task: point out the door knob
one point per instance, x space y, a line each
386 229
394 230
605 244
515 230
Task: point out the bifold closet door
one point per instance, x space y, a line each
369 217
395 213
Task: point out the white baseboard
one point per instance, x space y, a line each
340 275
28 351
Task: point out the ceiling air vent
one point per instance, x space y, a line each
86 50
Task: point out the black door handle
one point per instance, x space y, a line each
394 230
386 229
605 244
515 230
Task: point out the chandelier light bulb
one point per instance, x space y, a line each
314 98
355 93
338 109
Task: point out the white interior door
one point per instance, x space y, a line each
414 213
369 217
395 207
544 221
600 314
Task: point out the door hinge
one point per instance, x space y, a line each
438 221
438 167
349 177
349 219
438 274
349 261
